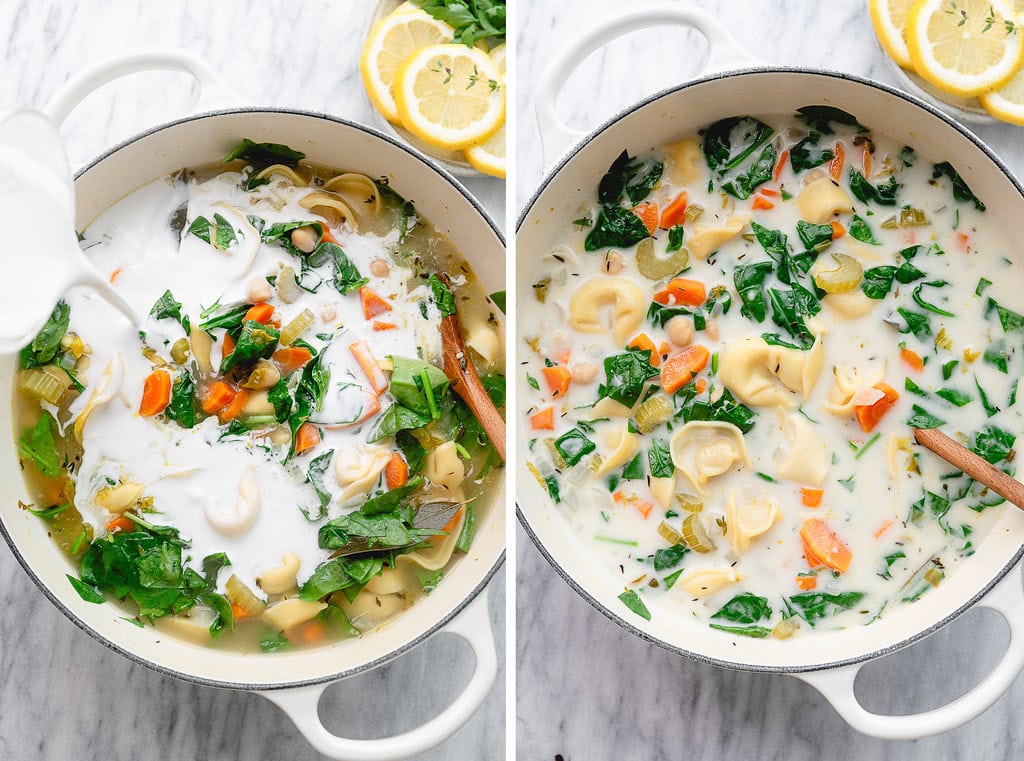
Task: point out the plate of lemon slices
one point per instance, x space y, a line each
438 86
965 56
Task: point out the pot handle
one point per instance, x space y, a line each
300 703
1007 599
213 93
724 53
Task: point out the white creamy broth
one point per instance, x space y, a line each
778 491
229 482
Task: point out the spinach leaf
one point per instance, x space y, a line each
806 154
660 459
347 277
87 592
390 500
281 398
465 540
412 451
634 469
995 354
757 632
953 396
924 419
573 445
262 155
821 118
309 395
860 230
615 226
498 297
38 445
776 245
669 557
728 142
934 504
219 233
877 281
745 608
345 574
230 319
916 323
315 475
812 235
744 184
386 530
788 310
724 410
396 418
417 385
675 239
256 340
633 176
182 406
961 191
817 605
660 314
1010 320
993 444
749 280
443 298
883 195
632 601
626 375
919 300
46 344
167 307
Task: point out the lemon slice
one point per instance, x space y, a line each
497 55
1007 103
489 157
965 47
391 41
889 18
450 96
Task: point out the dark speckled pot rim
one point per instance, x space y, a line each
329 676
550 175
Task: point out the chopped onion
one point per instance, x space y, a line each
295 328
239 594
866 396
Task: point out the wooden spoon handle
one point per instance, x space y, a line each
977 468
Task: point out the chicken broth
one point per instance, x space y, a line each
726 353
274 459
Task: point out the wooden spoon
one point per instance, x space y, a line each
977 468
465 382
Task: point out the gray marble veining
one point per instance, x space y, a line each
63 695
587 689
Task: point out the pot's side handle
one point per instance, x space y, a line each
473 625
213 93
1007 599
724 53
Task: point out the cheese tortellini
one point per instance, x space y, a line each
443 466
622 445
807 460
358 468
703 450
627 301
845 386
747 520
819 201
849 305
762 375
704 241
703 582
685 161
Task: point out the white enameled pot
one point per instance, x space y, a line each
293 680
736 83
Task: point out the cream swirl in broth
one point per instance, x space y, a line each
727 351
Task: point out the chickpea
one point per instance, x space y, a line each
327 313
679 331
711 329
584 373
379 268
258 290
614 263
305 238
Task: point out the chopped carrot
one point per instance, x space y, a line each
770 192
823 547
811 497
234 409
327 237
780 165
307 437
644 507
760 202
449 527
865 160
912 359
675 213
558 379
618 497
543 420
228 347
121 523
156 393
962 239
114 275
886 524
838 231
868 415
643 342
261 313
648 213
378 326
396 472
682 290
291 358
679 369
217 396
807 583
561 357
312 632
370 367
373 304
238 611
701 385
835 166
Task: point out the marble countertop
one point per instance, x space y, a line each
586 689
63 695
